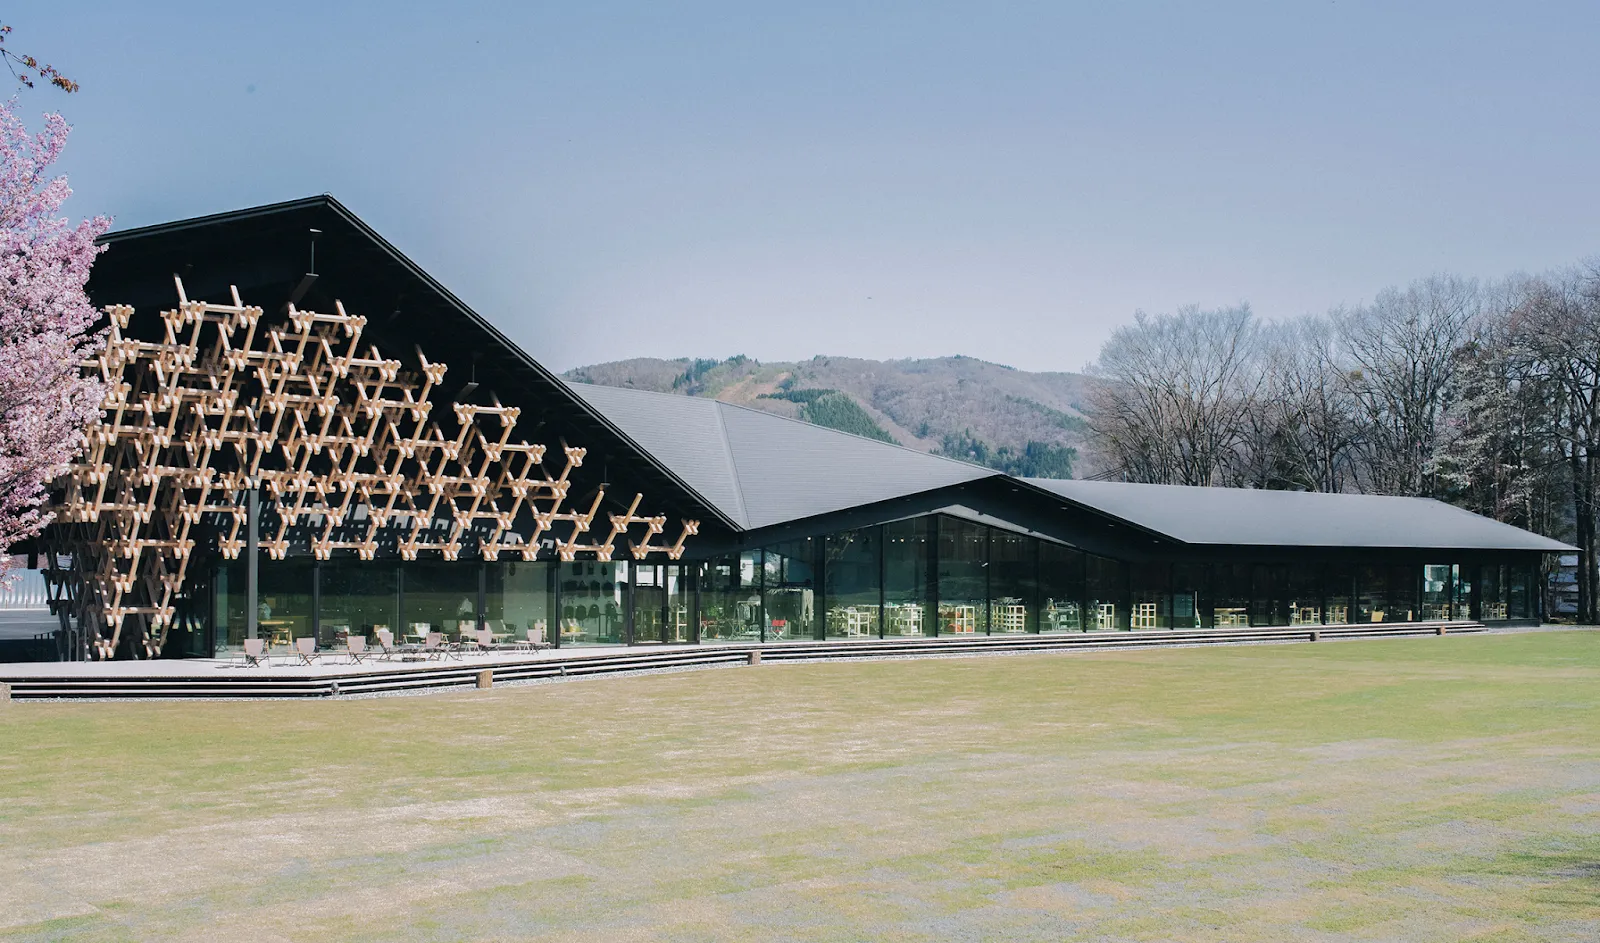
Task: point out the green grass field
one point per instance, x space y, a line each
1438 789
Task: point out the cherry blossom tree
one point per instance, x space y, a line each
46 325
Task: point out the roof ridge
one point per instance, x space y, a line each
733 462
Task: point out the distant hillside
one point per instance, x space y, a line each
993 415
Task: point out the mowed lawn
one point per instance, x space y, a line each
1438 789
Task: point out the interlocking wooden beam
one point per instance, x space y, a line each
339 439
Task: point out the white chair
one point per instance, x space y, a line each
356 645
306 649
255 652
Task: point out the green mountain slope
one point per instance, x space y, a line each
1019 422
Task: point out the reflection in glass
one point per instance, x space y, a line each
730 598
283 607
1230 607
789 589
1269 595
963 577
1302 592
1107 589
359 596
1152 596
1060 588
517 598
1437 591
1190 591
1492 593
592 601
1338 587
440 596
907 547
1519 591
851 572
1013 583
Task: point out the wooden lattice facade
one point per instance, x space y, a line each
350 450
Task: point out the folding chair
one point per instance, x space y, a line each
255 652
485 638
433 646
386 647
306 648
357 646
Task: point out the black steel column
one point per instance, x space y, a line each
883 577
316 600
631 570
554 630
483 593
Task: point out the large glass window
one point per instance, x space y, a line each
853 571
789 590
1438 591
660 603
360 597
1372 594
1013 583
592 602
1191 591
1152 597
517 598
1060 588
1461 606
1404 585
1107 593
440 596
1269 595
908 607
963 577
1230 589
1338 592
1492 593
283 599
1519 591
730 598
1302 593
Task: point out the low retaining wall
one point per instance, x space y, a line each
390 677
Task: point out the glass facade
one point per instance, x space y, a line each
593 603
921 577
789 590
909 595
1013 583
852 573
518 598
1060 589
730 598
963 554
1106 594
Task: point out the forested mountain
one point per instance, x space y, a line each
993 415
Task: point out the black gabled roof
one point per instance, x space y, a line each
266 250
1260 518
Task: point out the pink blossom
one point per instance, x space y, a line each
46 326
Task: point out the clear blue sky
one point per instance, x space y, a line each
1007 181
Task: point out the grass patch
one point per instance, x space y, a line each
1441 788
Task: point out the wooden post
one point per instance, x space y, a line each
486 678
252 541
5 693
1315 635
755 658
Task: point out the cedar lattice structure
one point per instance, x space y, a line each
340 440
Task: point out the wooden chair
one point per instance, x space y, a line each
356 645
306 649
255 652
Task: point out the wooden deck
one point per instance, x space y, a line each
333 676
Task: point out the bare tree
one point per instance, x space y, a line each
1401 351
1172 393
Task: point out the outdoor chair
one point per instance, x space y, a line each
485 640
386 646
433 646
306 649
470 640
255 652
357 646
